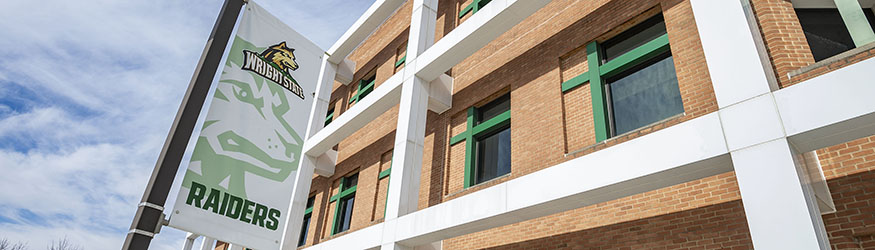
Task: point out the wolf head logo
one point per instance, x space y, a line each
282 56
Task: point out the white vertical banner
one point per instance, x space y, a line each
238 185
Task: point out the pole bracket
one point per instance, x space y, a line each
152 206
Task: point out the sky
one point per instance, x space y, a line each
88 91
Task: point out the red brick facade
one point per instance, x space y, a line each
550 126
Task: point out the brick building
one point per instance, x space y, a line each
594 124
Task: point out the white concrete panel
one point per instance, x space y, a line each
750 122
364 238
378 102
774 202
477 31
730 51
362 28
685 143
440 94
829 109
325 163
345 72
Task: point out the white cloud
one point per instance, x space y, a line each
102 81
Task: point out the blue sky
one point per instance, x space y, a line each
88 91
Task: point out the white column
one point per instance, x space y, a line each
189 241
781 213
208 243
410 134
306 168
779 203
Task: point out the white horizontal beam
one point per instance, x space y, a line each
379 101
829 109
685 152
362 28
478 30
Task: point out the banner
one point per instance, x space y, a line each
238 185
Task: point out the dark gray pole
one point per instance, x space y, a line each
150 210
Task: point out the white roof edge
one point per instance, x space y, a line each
375 16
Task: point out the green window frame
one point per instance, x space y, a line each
400 61
365 86
302 239
329 117
345 196
385 174
475 130
475 6
598 73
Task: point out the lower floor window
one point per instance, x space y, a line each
345 213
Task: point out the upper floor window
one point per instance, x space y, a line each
644 89
365 86
487 141
473 7
329 117
831 31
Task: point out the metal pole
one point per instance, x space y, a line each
149 216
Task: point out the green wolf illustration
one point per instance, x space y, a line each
247 133
282 56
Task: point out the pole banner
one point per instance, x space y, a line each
238 185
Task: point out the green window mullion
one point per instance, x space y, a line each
336 198
597 92
329 118
475 6
308 211
469 149
634 57
574 82
400 61
492 124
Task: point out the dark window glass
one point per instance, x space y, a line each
345 213
493 156
482 3
329 117
826 32
304 226
633 38
493 109
365 90
644 94
311 201
350 181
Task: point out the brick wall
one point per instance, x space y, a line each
530 61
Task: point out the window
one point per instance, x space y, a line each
345 200
643 91
306 224
400 56
330 116
475 6
827 32
632 80
365 86
487 150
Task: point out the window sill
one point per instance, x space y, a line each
479 186
626 136
842 57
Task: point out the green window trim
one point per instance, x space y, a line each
475 6
363 90
329 118
472 131
345 192
598 71
385 173
400 61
